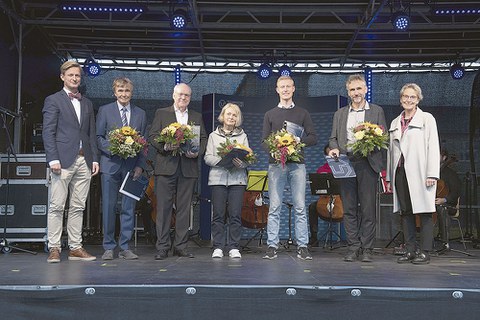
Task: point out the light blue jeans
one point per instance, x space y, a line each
278 176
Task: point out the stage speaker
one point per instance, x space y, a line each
27 204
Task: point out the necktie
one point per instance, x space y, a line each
77 96
124 117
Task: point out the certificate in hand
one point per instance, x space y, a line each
226 161
293 128
134 189
341 167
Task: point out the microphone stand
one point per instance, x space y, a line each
4 244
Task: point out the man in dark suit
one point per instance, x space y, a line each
72 154
113 168
176 175
358 194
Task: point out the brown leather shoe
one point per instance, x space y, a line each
54 256
80 254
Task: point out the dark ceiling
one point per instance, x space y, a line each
278 31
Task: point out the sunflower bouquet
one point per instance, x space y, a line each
126 142
368 137
240 151
177 134
284 146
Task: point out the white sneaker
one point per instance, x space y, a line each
234 253
217 253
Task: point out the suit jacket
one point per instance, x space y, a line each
338 138
62 131
109 118
165 162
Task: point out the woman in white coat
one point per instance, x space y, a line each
413 167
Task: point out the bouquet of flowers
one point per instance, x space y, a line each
245 153
126 142
284 146
177 134
368 136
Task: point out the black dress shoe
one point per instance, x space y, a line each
422 258
161 255
183 253
406 258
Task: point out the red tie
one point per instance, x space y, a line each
77 96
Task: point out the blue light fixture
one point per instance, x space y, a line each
101 8
264 71
400 21
368 79
457 71
178 20
178 76
285 71
449 11
92 69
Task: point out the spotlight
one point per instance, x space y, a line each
400 21
264 71
457 71
92 69
178 19
285 71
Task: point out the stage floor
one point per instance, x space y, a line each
449 270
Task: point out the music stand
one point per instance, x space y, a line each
325 184
4 244
257 181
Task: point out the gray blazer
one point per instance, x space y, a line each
338 137
62 132
165 162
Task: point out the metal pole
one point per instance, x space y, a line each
18 121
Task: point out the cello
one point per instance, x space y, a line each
323 204
254 211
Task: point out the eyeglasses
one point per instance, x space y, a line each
407 97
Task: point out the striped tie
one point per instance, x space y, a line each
124 117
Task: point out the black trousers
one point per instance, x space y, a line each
408 218
358 198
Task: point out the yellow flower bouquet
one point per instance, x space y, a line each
368 137
176 134
126 142
240 151
284 146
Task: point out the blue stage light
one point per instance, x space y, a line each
457 71
92 69
179 19
264 71
99 8
178 75
469 10
401 21
285 71
368 79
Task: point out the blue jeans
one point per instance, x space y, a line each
278 176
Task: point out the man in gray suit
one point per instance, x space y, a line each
71 149
358 194
113 168
176 175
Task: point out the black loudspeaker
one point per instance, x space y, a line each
388 223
